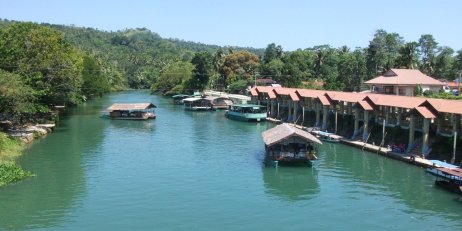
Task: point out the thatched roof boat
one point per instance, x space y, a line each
288 144
132 111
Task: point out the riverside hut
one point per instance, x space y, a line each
132 111
286 144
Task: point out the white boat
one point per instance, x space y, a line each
247 112
197 104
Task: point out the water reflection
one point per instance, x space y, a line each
144 126
58 162
291 183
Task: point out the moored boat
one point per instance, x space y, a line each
220 103
286 144
449 179
247 112
132 111
178 99
440 164
197 104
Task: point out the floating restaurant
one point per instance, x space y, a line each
421 117
132 111
286 144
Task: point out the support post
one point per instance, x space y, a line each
453 159
411 132
295 111
273 108
425 129
336 123
356 122
366 125
325 109
318 114
278 112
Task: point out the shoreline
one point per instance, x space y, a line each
13 144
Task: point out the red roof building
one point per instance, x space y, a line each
403 82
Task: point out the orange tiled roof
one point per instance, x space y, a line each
287 91
253 91
365 105
404 77
309 93
425 112
396 101
324 100
268 90
350 97
440 105
446 105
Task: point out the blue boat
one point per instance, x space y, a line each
438 165
247 112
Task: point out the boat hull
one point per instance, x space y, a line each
449 185
248 117
198 108
434 171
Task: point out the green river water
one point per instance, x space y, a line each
200 171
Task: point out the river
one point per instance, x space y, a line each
200 171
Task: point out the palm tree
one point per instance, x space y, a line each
408 55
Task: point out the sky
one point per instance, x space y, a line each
293 24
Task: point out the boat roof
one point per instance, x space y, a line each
180 96
192 99
443 164
324 133
448 171
248 105
130 106
285 131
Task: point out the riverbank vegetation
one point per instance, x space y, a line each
10 149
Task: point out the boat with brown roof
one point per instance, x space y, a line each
132 111
286 144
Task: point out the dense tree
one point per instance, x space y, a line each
173 79
202 71
239 66
326 67
408 56
217 61
272 52
40 55
298 67
428 48
17 99
443 64
382 52
457 66
94 83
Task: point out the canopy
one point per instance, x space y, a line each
130 106
285 131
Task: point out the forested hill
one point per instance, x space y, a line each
42 65
139 53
